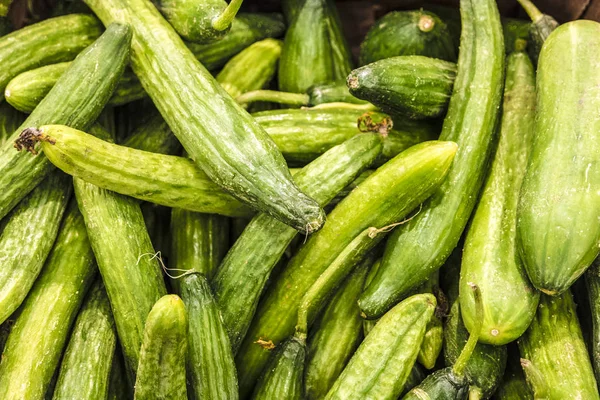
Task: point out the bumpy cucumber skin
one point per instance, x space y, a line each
211 368
243 274
86 364
398 33
592 280
413 86
386 196
490 258
36 341
76 100
383 361
193 19
554 344
10 120
422 245
161 371
558 233
218 134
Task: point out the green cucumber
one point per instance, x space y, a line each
490 258
242 276
340 49
557 235
158 219
515 29
41 330
383 361
219 135
118 387
237 78
386 196
434 333
407 33
86 364
414 86
10 120
554 345
368 324
592 280
541 27
421 246
76 100
154 136
513 385
161 372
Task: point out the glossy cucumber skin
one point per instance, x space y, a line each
555 331
332 92
218 134
401 33
161 371
211 368
490 258
86 364
10 120
383 361
386 196
340 49
193 19
27 239
41 331
557 234
592 280
413 86
76 100
421 246
237 78
443 384
242 276
283 375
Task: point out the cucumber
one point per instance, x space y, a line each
161 372
515 29
413 86
557 235
340 49
242 276
86 364
513 385
158 219
385 197
490 258
540 28
407 33
154 136
434 333
421 246
554 345
222 138
118 387
592 280
41 330
383 361
76 100
10 120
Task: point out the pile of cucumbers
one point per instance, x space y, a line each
198 202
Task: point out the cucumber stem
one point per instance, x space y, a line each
534 13
350 106
223 21
293 99
536 380
465 354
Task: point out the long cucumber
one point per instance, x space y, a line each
10 120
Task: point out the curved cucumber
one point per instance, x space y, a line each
557 233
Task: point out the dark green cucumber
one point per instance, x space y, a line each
515 29
340 49
540 28
154 136
158 219
557 233
554 345
407 33
242 276
383 361
211 368
490 258
161 371
513 385
118 387
76 100
10 120
414 86
421 246
219 135
385 197
41 330
592 280
5 329
86 365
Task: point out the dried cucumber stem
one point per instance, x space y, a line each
366 123
426 23
29 137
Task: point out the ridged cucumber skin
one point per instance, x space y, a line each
442 384
41 331
592 280
334 337
237 78
27 239
383 361
193 19
210 364
431 347
124 253
490 258
421 246
385 197
87 362
554 344
340 49
242 275
218 134
407 33
10 120
76 100
283 375
413 86
557 234
161 370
